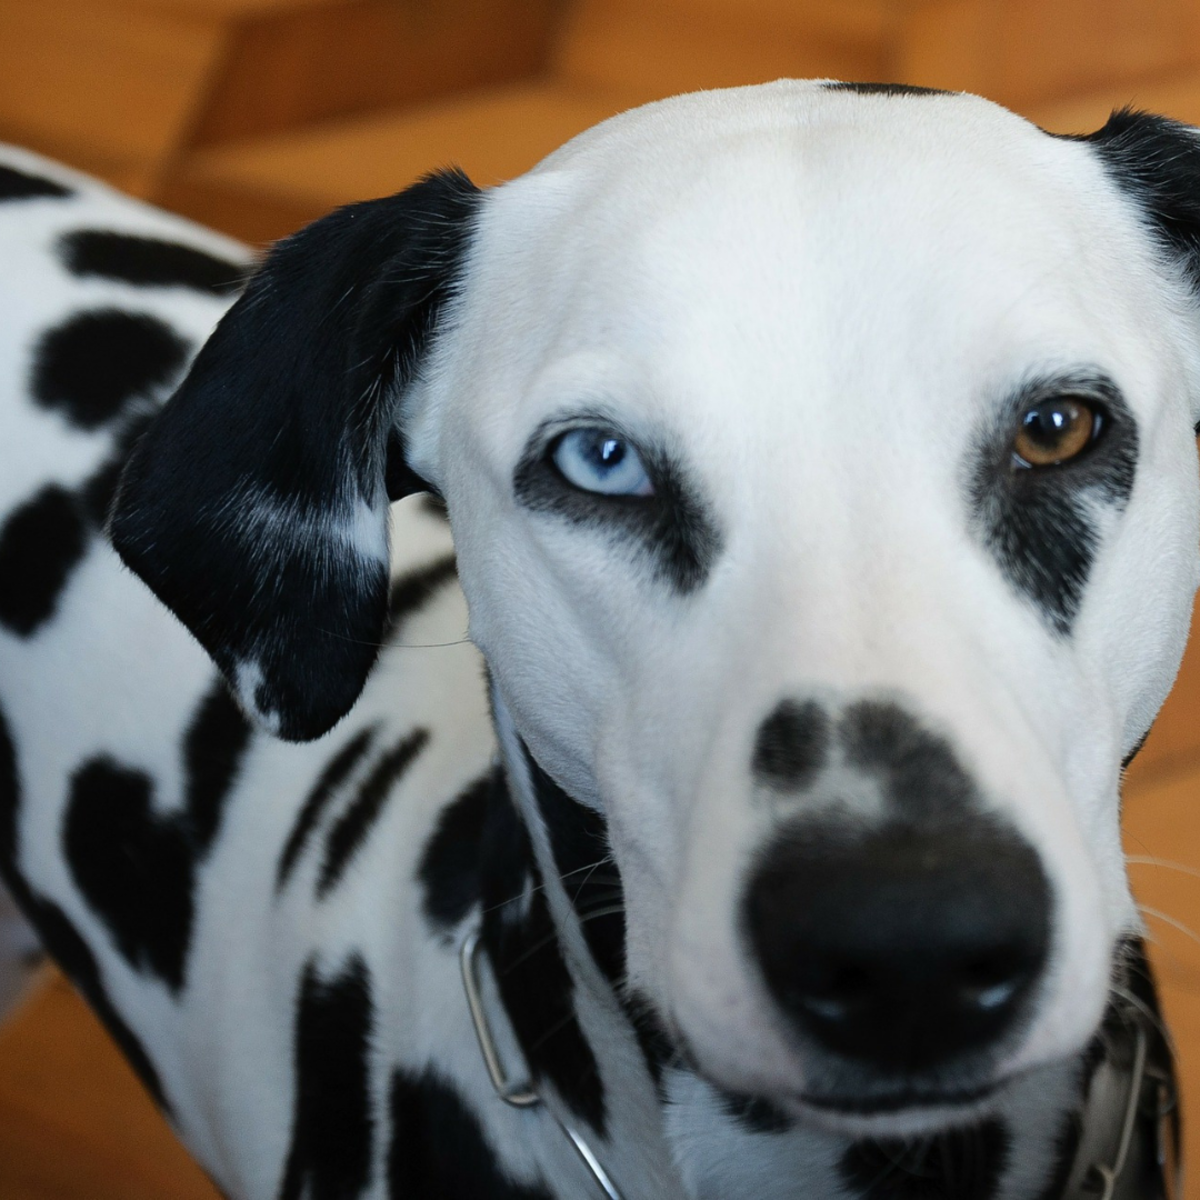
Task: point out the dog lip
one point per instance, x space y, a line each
898 1101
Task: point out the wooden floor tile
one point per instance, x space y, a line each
75 1124
493 136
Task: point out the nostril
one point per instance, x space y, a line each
989 982
838 993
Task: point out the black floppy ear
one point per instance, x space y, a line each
256 504
1157 161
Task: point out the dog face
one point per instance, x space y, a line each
821 475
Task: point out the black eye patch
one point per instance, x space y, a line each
674 527
1039 524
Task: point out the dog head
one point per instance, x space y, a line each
822 480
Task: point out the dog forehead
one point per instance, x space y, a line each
814 222
793 160
799 254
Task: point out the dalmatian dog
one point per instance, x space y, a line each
684 612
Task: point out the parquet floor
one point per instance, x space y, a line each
75 1125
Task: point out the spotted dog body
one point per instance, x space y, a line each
787 811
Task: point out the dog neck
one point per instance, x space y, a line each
553 930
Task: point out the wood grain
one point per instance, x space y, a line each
123 87
285 68
653 49
75 1124
492 136
107 89
1024 51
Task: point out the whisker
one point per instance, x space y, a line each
530 951
386 645
1148 860
594 868
1155 1020
541 887
1146 910
558 1025
610 910
462 641
552 936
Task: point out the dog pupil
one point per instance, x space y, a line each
609 452
1047 424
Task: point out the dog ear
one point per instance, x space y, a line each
256 505
1157 162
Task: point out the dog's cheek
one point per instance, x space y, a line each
1134 625
549 649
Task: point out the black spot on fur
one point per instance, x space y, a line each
412 591
885 89
656 1045
72 954
535 986
98 491
351 830
757 1115
45 539
1038 522
1065 1149
449 870
579 842
58 935
148 262
964 1164
96 362
674 527
335 774
41 543
438 1148
214 747
333 1130
20 185
792 745
137 868
919 770
285 418
10 793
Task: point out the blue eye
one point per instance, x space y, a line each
598 460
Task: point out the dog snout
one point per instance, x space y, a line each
903 948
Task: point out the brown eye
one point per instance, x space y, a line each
1054 431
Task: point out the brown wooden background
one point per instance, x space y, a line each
257 115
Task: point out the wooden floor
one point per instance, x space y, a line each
75 1125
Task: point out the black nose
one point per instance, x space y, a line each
900 948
